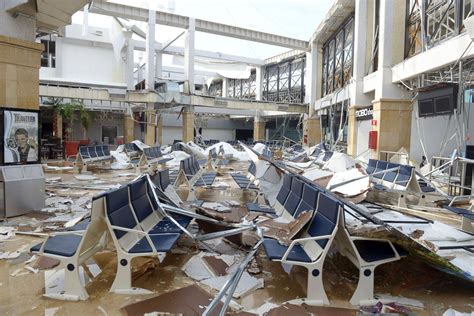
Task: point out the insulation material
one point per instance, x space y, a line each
339 162
225 69
352 188
228 149
259 147
247 284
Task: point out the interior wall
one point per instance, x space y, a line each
433 130
363 129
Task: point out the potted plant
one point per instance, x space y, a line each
67 112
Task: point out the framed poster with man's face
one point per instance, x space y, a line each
20 136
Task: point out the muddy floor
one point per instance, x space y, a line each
21 293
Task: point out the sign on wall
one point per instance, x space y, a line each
20 136
364 113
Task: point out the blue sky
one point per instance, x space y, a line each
292 18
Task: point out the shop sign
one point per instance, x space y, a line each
364 113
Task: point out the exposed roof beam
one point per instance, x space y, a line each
177 99
174 20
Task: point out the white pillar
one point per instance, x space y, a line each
361 29
159 65
311 75
225 92
150 50
390 42
85 21
129 65
189 55
259 84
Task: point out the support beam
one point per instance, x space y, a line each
258 128
311 75
258 83
189 56
170 19
159 130
129 128
150 51
188 124
312 131
129 65
150 133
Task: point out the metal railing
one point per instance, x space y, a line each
452 173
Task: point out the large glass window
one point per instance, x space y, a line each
338 58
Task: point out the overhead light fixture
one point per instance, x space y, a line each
469 24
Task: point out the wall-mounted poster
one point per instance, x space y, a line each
20 136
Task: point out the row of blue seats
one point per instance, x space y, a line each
95 153
244 181
193 171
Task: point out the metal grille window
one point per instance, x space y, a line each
242 88
215 89
284 82
430 22
338 58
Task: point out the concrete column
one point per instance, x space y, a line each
20 61
58 125
159 130
391 46
258 128
188 124
85 20
150 50
393 124
362 26
129 65
150 136
225 93
312 131
352 132
259 83
159 65
311 77
189 56
128 129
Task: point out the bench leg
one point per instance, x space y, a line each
73 288
364 293
316 294
191 195
466 225
123 279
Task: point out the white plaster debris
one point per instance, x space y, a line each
339 162
453 312
85 177
216 207
247 284
400 300
350 189
7 232
196 269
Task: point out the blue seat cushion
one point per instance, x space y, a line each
162 243
254 207
460 211
276 251
61 245
374 250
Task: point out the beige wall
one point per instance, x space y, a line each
20 61
312 130
393 118
259 130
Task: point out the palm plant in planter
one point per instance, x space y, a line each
67 111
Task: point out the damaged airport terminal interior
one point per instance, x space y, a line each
182 157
